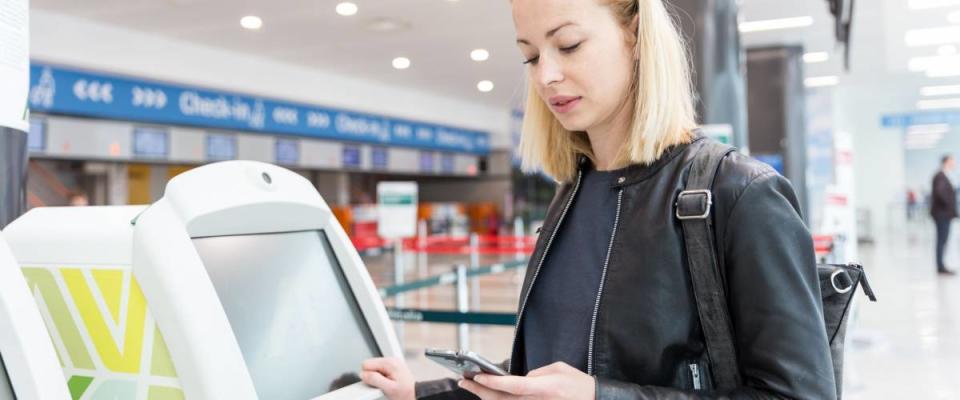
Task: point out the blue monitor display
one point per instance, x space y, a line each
221 147
447 164
37 137
378 157
426 161
352 156
151 142
287 151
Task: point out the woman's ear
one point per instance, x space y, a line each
635 36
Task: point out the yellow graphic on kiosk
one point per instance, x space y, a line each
108 344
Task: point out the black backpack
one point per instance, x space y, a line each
838 283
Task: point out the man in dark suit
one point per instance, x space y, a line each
943 208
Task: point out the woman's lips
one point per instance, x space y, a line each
564 104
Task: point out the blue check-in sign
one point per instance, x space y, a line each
63 90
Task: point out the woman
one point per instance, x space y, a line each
607 310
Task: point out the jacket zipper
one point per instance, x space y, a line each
695 374
603 280
546 249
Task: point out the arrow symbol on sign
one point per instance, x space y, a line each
106 93
80 89
93 91
137 96
161 99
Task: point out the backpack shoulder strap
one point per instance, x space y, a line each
693 209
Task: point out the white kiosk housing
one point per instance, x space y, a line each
256 287
250 289
28 364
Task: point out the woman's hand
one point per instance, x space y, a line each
391 376
557 381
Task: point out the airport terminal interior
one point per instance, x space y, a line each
222 199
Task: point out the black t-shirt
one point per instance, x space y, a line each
558 317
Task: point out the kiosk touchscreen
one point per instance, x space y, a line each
28 364
258 289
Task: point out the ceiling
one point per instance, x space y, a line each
438 35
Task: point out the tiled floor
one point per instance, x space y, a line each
906 346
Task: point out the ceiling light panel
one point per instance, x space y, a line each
938 104
776 24
933 36
940 90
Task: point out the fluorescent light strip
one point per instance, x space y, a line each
821 81
817 57
920 64
938 104
928 4
775 24
933 36
923 130
943 72
954 17
940 90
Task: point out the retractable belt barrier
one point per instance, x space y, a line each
450 278
451 316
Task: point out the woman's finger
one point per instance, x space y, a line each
377 380
483 392
518 385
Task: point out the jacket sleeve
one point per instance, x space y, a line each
942 189
446 389
774 299
442 389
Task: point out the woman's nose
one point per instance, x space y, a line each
548 71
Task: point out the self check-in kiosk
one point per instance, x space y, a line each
257 287
250 287
28 365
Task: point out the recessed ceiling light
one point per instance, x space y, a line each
940 90
774 24
484 86
251 22
927 4
479 55
384 25
817 57
347 9
938 104
821 81
933 36
401 63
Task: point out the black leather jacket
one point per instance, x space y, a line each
647 342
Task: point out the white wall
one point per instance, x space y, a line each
878 152
67 40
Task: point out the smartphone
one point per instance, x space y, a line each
464 363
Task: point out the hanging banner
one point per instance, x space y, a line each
69 91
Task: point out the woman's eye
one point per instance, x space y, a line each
570 48
532 60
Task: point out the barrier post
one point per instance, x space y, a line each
423 266
463 330
474 264
398 279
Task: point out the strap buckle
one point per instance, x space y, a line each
697 208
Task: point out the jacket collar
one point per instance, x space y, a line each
639 172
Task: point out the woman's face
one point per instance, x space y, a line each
579 57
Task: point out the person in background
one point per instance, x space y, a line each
943 208
78 199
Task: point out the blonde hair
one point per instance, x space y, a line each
662 94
